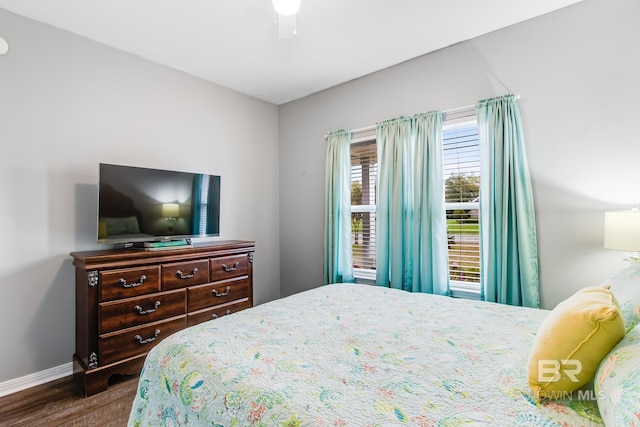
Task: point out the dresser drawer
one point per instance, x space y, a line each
129 282
120 345
213 294
230 266
215 313
136 311
183 274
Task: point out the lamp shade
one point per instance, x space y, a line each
4 46
170 210
622 230
286 7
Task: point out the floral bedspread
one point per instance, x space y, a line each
353 355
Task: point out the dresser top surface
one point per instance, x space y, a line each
164 255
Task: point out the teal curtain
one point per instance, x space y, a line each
411 227
196 202
509 249
205 191
338 264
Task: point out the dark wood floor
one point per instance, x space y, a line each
60 403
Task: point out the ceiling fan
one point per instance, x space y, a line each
286 17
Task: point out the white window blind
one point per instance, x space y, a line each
364 176
204 202
462 199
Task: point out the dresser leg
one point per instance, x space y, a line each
92 381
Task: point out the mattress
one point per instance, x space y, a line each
354 355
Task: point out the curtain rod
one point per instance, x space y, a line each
452 110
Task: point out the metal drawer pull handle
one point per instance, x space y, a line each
147 340
228 269
181 275
218 294
215 316
149 310
124 283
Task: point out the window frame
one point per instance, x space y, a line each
459 288
365 275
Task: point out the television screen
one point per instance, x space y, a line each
140 204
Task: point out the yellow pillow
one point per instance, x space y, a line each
572 340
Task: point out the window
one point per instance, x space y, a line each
461 153
364 176
204 203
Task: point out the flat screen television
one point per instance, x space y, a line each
138 204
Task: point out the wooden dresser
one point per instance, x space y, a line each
128 300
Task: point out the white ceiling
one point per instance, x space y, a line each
234 43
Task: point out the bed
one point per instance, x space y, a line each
355 355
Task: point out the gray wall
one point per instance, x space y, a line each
66 104
577 72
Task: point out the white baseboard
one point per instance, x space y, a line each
32 380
